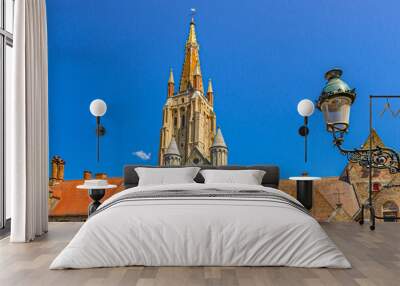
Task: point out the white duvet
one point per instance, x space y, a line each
200 231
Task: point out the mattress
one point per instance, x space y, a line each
201 225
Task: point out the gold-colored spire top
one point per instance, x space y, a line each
171 76
192 34
191 63
210 88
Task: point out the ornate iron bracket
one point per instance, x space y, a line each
381 158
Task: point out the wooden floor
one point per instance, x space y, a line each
375 257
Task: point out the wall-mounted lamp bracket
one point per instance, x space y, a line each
303 130
100 129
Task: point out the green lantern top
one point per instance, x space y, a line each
335 87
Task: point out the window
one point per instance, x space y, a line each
390 211
6 56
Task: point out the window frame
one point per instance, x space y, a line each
6 39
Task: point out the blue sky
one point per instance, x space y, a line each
263 57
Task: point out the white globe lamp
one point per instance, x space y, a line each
98 107
305 107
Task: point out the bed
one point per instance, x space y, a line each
201 224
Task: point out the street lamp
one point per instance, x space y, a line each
335 103
98 108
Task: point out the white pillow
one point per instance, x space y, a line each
165 176
248 177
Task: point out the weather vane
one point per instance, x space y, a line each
192 12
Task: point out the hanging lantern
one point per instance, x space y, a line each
335 102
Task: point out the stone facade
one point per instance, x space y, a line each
386 186
188 115
333 200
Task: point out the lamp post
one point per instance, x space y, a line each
305 108
98 108
304 183
335 103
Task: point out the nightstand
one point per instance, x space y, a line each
96 193
304 186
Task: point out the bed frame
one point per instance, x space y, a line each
270 179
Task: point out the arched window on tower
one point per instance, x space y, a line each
183 121
390 211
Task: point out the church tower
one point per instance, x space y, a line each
188 119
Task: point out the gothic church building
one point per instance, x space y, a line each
188 135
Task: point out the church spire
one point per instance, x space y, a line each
171 84
191 61
192 34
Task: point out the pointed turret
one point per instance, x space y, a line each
210 88
190 63
210 93
172 156
171 84
197 77
219 140
171 77
173 148
219 150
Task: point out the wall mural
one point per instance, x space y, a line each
235 106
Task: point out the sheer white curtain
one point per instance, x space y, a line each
26 124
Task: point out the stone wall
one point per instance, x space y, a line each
329 195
